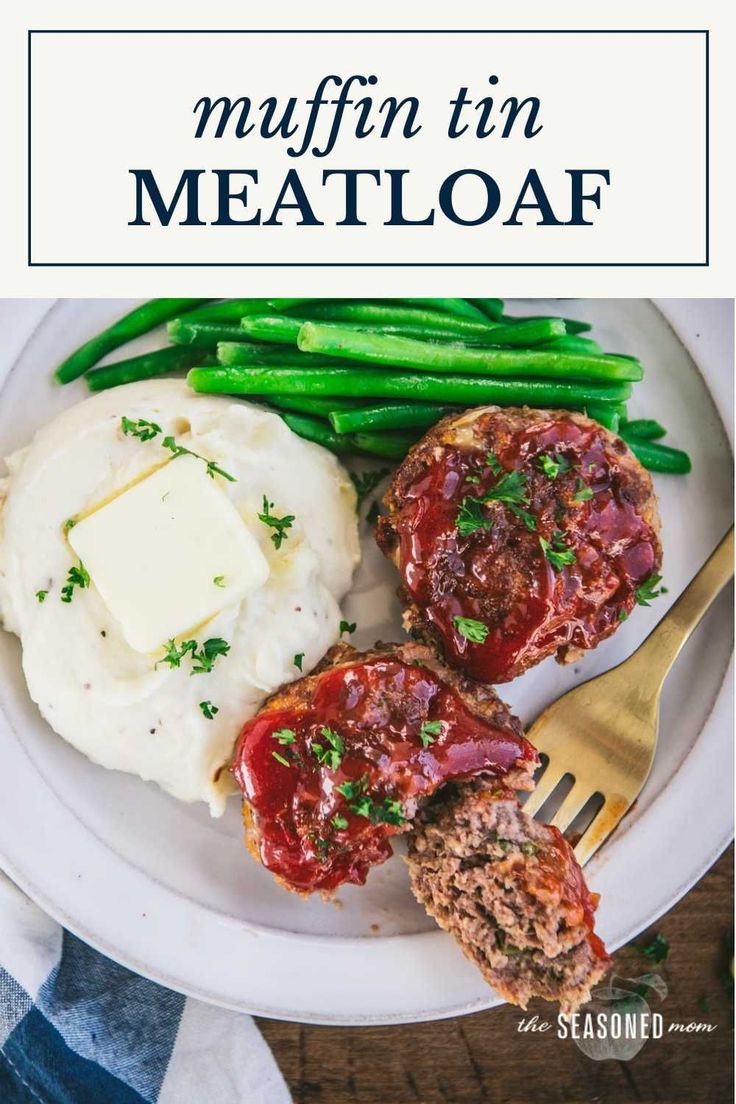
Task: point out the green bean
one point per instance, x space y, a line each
322 406
525 334
284 329
312 429
573 343
530 331
384 384
402 322
134 324
394 446
646 429
228 310
256 352
572 325
279 305
437 335
491 308
403 352
462 308
380 314
607 414
658 458
272 327
204 335
161 362
388 416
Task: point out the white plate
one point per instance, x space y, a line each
171 893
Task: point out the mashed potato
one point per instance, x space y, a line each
114 703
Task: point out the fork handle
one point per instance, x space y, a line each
662 647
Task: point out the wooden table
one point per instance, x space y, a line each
483 1058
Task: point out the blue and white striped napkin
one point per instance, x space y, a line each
77 1028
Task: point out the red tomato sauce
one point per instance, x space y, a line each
325 806
561 867
500 576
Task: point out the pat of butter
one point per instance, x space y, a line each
169 553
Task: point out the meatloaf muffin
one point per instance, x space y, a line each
338 762
519 534
510 891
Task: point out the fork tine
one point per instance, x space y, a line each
571 806
549 781
606 819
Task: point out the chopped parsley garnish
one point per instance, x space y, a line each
280 525
472 479
429 732
351 790
174 448
552 465
280 758
362 806
175 653
474 631
41 596
390 812
656 949
373 513
470 517
69 524
143 430
557 551
208 709
582 492
339 821
523 515
329 756
511 487
348 627
213 468
284 736
646 592
204 660
528 847
365 482
219 581
494 463
77 577
321 847
298 660
147 431
622 615
549 466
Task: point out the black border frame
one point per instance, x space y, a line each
368 264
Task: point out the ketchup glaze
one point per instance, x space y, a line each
329 781
499 575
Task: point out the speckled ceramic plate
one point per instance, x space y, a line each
171 893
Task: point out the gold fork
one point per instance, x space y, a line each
604 733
